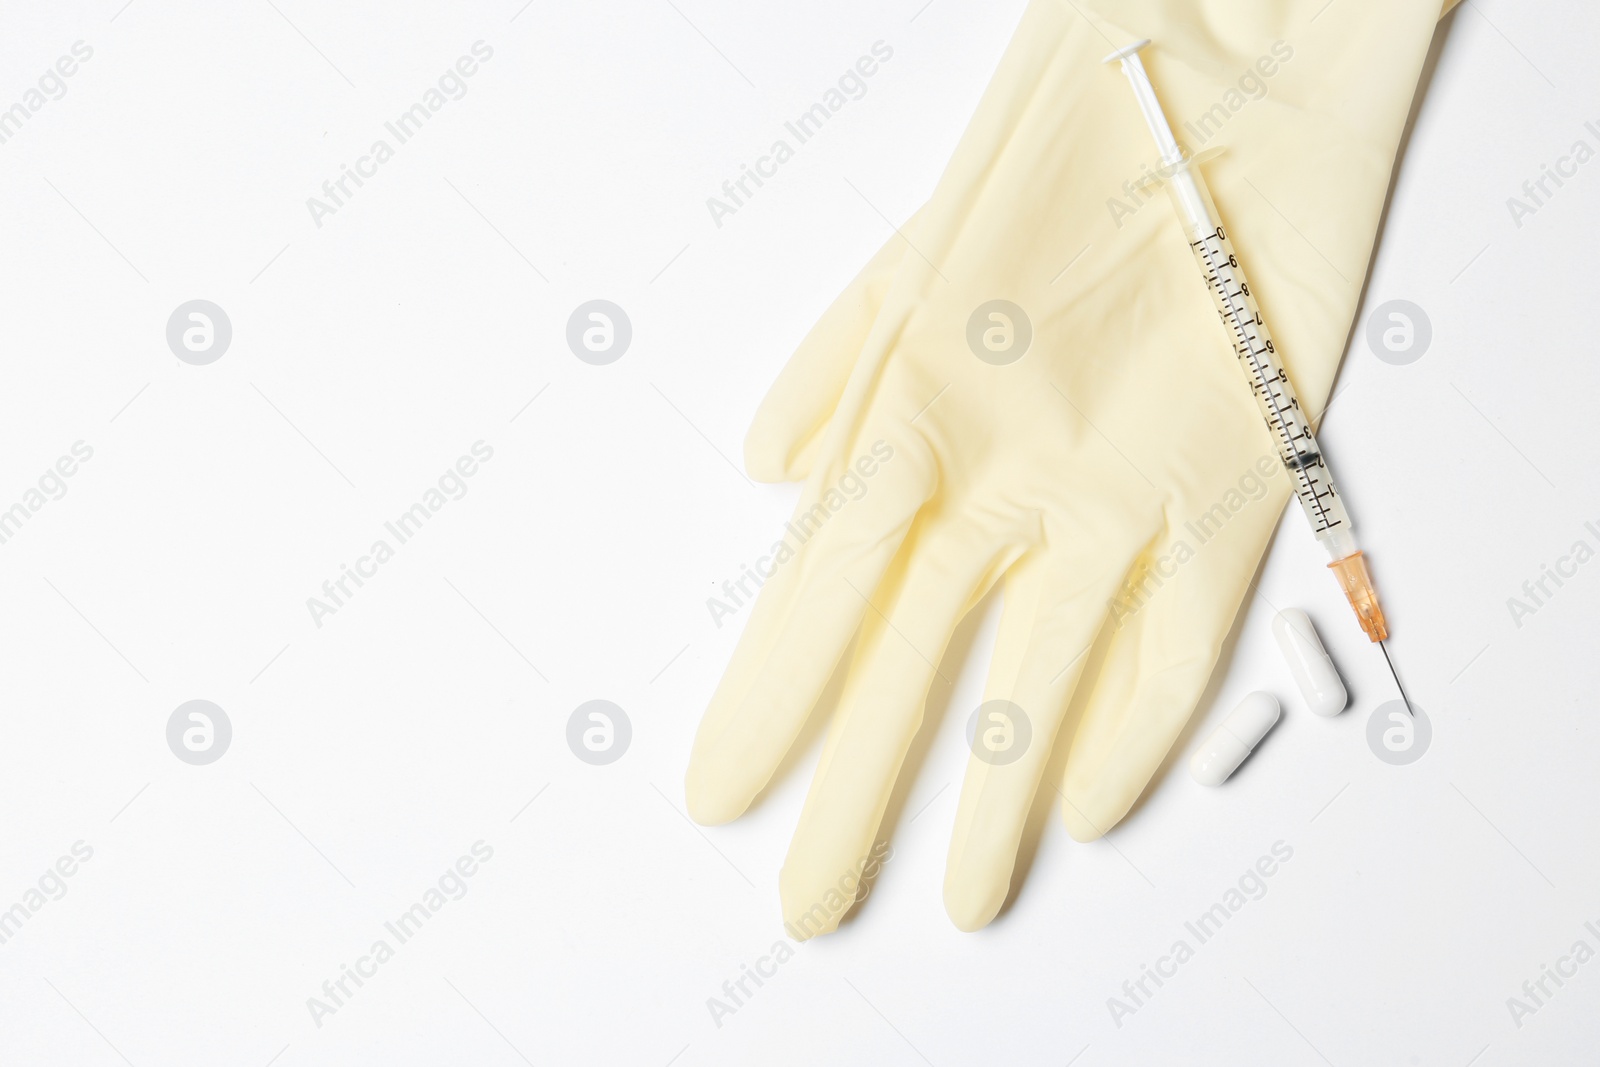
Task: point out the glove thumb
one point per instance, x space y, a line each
783 440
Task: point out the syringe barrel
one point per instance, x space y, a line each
1191 198
1259 359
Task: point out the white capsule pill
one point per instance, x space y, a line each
1308 661
1226 748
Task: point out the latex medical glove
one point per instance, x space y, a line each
1086 467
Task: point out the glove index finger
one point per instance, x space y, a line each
840 542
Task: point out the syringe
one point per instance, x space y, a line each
1259 359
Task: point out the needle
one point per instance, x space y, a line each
1404 699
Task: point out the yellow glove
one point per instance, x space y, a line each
1091 440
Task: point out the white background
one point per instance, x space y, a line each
368 754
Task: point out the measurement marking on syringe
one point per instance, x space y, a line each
1263 375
